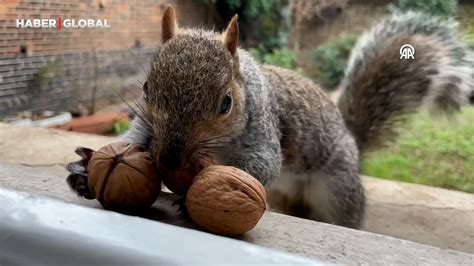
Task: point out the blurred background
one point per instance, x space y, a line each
69 78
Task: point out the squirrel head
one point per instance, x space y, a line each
194 94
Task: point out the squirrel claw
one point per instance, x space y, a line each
78 183
78 179
84 152
181 202
78 167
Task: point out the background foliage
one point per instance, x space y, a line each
331 60
432 151
264 26
446 8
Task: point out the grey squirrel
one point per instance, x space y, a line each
204 96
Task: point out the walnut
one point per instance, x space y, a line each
123 177
226 200
221 199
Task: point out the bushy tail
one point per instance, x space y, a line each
379 89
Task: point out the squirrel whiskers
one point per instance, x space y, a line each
206 98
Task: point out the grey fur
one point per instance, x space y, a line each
137 133
257 148
283 129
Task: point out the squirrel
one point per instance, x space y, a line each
205 96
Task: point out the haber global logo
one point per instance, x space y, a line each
62 23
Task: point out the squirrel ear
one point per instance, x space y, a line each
231 36
169 26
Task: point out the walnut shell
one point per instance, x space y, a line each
123 177
226 200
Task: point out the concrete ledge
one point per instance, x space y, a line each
46 148
42 231
423 214
311 239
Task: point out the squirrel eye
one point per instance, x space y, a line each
145 90
226 105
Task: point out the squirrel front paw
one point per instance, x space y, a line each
77 179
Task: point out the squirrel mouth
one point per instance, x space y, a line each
179 180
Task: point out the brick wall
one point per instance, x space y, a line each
51 69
